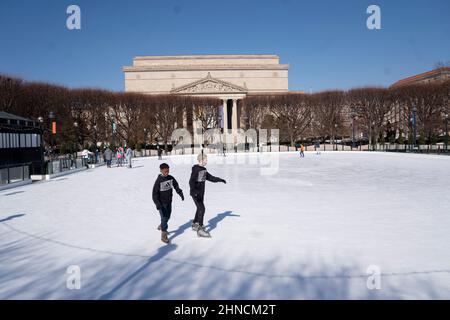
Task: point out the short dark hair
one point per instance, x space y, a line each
163 166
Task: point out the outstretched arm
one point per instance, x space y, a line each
211 178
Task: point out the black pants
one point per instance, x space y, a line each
200 213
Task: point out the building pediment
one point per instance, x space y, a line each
209 85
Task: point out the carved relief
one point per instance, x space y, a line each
209 85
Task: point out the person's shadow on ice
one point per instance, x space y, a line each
212 223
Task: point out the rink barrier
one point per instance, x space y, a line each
16 175
379 147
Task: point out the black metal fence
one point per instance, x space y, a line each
14 173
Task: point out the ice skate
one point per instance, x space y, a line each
195 226
203 233
164 237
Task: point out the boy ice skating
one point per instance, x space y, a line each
162 197
197 191
317 147
302 151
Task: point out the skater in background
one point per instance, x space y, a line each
317 147
119 156
197 191
129 155
162 197
87 156
159 153
302 151
108 156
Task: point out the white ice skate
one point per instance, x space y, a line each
203 233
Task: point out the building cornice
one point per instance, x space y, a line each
205 67
209 56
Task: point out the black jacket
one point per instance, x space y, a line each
197 181
162 190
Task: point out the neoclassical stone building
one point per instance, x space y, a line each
227 77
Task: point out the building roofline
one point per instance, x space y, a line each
209 56
207 67
408 80
10 116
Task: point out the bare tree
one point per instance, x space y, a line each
371 105
255 109
293 112
328 113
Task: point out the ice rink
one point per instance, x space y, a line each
282 228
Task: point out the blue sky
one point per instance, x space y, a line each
325 42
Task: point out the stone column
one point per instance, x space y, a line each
225 115
234 123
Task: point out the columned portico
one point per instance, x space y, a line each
234 121
224 121
230 114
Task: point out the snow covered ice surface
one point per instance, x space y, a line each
309 231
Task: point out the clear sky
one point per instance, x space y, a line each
325 42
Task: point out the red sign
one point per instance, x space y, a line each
54 127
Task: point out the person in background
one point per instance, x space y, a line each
159 153
86 155
108 156
317 147
129 155
119 156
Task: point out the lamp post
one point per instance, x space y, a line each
114 129
334 137
75 124
446 132
95 136
353 129
145 141
41 124
414 124
52 118
219 120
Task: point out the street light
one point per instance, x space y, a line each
353 129
114 129
41 125
446 132
75 124
145 141
334 136
414 123
52 117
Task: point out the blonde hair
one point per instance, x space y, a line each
201 157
